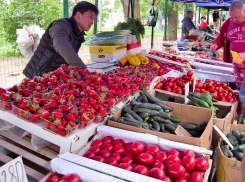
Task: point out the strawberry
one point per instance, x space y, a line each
62 132
71 117
53 104
70 82
83 72
63 108
58 83
64 68
92 93
47 107
32 84
45 115
63 122
77 94
23 105
5 97
95 106
57 121
62 101
34 107
57 91
57 72
47 125
92 101
57 115
21 114
36 100
109 102
83 101
102 112
50 85
18 98
26 81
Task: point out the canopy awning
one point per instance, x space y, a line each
202 1
224 6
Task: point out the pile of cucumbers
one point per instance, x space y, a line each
237 139
204 100
148 113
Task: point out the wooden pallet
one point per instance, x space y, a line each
36 162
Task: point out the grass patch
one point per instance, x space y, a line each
7 50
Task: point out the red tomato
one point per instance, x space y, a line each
156 173
188 162
54 177
188 152
117 156
211 90
152 149
161 157
107 139
169 84
166 179
89 154
128 160
108 146
176 170
111 161
173 152
221 98
195 177
128 153
146 159
229 99
191 79
141 170
170 79
197 90
95 149
136 159
99 158
204 85
185 77
199 85
137 148
167 88
118 142
126 166
189 73
223 85
174 87
179 91
105 154
128 145
201 164
135 164
119 149
97 142
172 159
71 178
160 165
187 175
159 85
209 84
180 180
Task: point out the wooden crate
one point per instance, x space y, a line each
36 162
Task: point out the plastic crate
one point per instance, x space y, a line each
27 116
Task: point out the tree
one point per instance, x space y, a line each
125 4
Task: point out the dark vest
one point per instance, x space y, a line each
45 58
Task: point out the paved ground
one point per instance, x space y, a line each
11 68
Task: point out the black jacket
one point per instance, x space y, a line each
59 45
187 25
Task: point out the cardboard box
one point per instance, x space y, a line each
134 48
169 96
129 136
227 169
187 114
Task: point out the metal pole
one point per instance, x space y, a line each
196 17
199 15
65 8
152 29
100 15
208 17
132 8
165 19
96 19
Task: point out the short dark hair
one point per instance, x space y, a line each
84 6
203 17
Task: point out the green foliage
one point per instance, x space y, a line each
134 25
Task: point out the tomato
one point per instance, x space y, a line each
159 85
119 149
195 177
229 99
63 181
199 85
118 142
185 77
156 173
135 164
95 149
221 98
117 156
137 148
223 85
174 87
108 146
146 159
169 84
189 73
209 84
54 177
71 178
128 145
166 179
126 166
179 91
99 158
141 170
201 164
97 142
136 159
188 162
176 170
180 180
107 139
204 85
188 152
173 152
197 90
111 161
172 159
167 88
89 154
160 165
128 153
105 154
211 90
187 175
128 160
152 149
160 157
170 79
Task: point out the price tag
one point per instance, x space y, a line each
189 66
236 57
182 131
13 171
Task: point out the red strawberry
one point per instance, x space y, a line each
5 97
109 102
32 84
36 100
57 91
83 101
47 107
34 107
53 104
71 117
92 101
57 121
83 72
58 83
45 115
57 115
18 98
63 108
26 81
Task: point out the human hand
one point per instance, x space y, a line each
213 48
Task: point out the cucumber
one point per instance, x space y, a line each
229 153
134 108
121 120
170 113
234 158
200 102
156 125
132 113
214 100
135 103
234 141
164 107
146 118
139 98
143 115
145 127
113 118
162 127
207 98
144 98
225 149
237 134
170 127
194 133
238 155
130 119
151 128
150 120
201 127
242 140
150 106
162 120
164 115
165 131
189 126
149 111
150 97
175 120
190 102
239 147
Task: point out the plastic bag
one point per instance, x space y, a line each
28 39
239 67
159 21
18 132
38 142
106 41
152 19
5 125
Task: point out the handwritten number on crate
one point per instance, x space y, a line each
22 171
11 172
4 174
